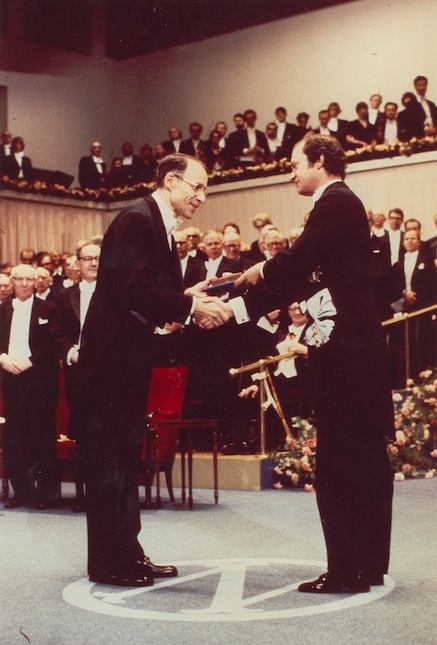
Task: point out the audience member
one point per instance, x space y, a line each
213 154
302 125
222 129
232 142
323 123
387 125
160 153
43 281
232 250
194 237
191 267
27 256
337 126
147 168
17 165
275 151
217 264
130 164
73 304
92 169
6 289
30 393
174 140
431 244
375 113
427 109
72 271
287 132
5 151
361 133
259 221
275 242
249 144
395 235
410 120
194 146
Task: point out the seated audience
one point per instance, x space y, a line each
337 126
249 144
147 168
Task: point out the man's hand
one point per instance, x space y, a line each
196 290
251 276
210 312
15 366
174 326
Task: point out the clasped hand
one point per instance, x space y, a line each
15 365
209 311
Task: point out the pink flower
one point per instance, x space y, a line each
407 468
399 477
312 443
434 453
309 488
394 450
306 451
278 485
277 470
430 474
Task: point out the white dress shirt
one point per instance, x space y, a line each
410 259
20 327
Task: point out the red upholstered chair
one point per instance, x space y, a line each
165 403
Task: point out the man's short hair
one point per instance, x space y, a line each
176 163
247 112
396 210
391 103
321 144
420 78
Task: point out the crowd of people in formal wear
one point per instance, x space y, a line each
377 124
45 298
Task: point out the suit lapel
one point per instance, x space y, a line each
74 296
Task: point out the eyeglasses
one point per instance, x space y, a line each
232 246
197 187
89 258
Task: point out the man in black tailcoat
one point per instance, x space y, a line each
329 267
139 288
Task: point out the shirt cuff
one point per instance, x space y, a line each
239 309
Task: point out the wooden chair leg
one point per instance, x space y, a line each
169 481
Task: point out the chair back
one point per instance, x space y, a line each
166 400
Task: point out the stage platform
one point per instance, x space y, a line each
235 472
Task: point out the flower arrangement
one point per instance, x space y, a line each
295 468
282 166
414 451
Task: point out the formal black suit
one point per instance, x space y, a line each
225 266
410 121
348 376
187 148
239 140
67 332
422 329
30 401
89 176
139 286
12 168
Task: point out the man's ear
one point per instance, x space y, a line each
320 162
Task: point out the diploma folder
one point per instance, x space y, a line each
221 285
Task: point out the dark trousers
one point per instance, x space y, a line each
354 487
30 435
112 500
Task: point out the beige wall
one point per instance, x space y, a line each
59 102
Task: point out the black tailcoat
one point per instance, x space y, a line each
348 375
139 286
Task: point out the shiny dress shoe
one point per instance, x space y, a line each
325 584
156 571
139 576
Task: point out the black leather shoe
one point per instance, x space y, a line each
139 577
325 584
156 571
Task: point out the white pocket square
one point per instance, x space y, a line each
43 321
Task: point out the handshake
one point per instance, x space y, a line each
209 311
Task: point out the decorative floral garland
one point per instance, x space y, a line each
380 151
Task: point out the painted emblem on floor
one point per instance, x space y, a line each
221 590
